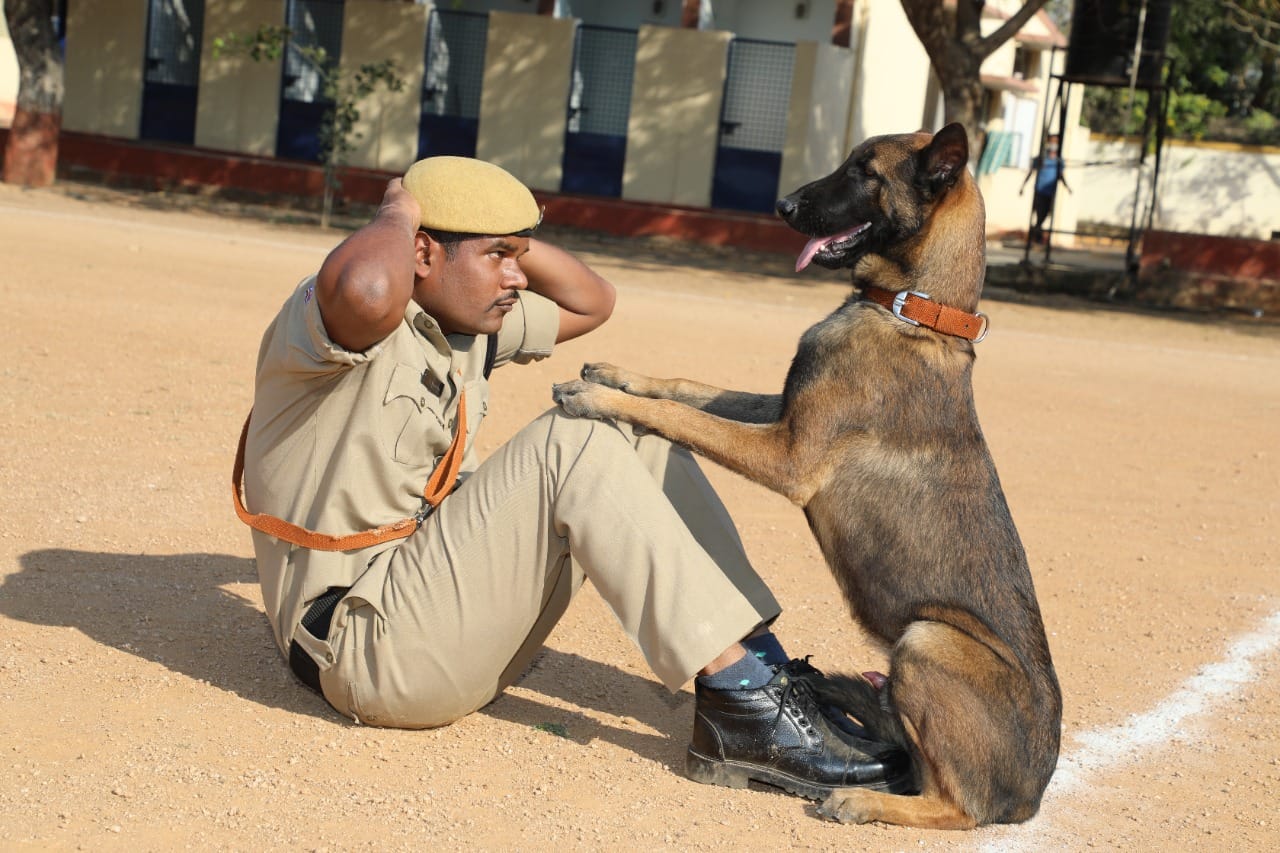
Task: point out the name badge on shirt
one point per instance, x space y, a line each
435 386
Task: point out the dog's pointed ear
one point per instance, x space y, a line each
945 158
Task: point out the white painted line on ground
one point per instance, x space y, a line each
1104 749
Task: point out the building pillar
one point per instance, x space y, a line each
373 31
106 47
238 102
528 67
674 127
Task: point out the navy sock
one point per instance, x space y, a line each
746 674
767 648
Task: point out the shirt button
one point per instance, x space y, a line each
328 656
422 402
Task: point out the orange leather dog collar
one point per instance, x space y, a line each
918 309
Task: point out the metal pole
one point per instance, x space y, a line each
1130 258
1167 95
1130 264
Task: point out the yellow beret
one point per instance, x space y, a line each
470 196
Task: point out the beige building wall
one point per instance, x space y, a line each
106 45
821 87
8 75
893 73
238 106
675 115
373 31
523 105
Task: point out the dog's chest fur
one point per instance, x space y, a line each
921 472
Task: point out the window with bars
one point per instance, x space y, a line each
603 69
454 64
312 24
757 95
174 34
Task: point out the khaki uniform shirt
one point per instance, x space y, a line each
341 442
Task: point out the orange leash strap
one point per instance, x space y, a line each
441 483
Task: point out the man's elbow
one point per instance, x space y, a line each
358 311
608 299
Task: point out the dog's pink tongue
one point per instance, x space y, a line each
810 249
817 244
878 679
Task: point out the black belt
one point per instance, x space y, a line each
316 621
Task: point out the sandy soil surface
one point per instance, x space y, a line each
145 706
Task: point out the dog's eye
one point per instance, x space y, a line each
864 166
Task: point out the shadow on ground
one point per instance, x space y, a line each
175 610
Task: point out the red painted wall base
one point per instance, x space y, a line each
1199 270
163 166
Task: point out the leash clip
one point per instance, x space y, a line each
421 515
900 299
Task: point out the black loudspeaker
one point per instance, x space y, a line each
1104 34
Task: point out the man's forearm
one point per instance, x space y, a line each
585 299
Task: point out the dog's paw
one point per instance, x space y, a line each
582 399
846 806
607 375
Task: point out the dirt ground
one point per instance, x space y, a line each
145 706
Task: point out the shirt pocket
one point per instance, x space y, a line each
413 427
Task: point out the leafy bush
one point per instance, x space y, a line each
1190 114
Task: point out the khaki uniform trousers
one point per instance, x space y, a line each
469 599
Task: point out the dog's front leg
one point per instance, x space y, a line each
929 810
735 405
759 452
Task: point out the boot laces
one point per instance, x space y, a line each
799 693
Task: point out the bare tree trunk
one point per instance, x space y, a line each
31 153
952 37
964 97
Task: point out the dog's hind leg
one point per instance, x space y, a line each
735 405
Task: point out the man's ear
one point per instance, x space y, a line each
423 246
944 159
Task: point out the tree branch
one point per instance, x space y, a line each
1255 24
1009 28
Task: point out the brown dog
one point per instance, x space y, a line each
875 435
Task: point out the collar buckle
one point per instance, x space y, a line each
900 300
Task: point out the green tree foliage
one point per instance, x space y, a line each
1225 60
343 89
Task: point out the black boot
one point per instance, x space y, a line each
778 735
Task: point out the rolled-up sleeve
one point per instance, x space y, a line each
529 332
302 343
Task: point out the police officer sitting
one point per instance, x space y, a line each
413 607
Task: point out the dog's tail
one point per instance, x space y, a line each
868 704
